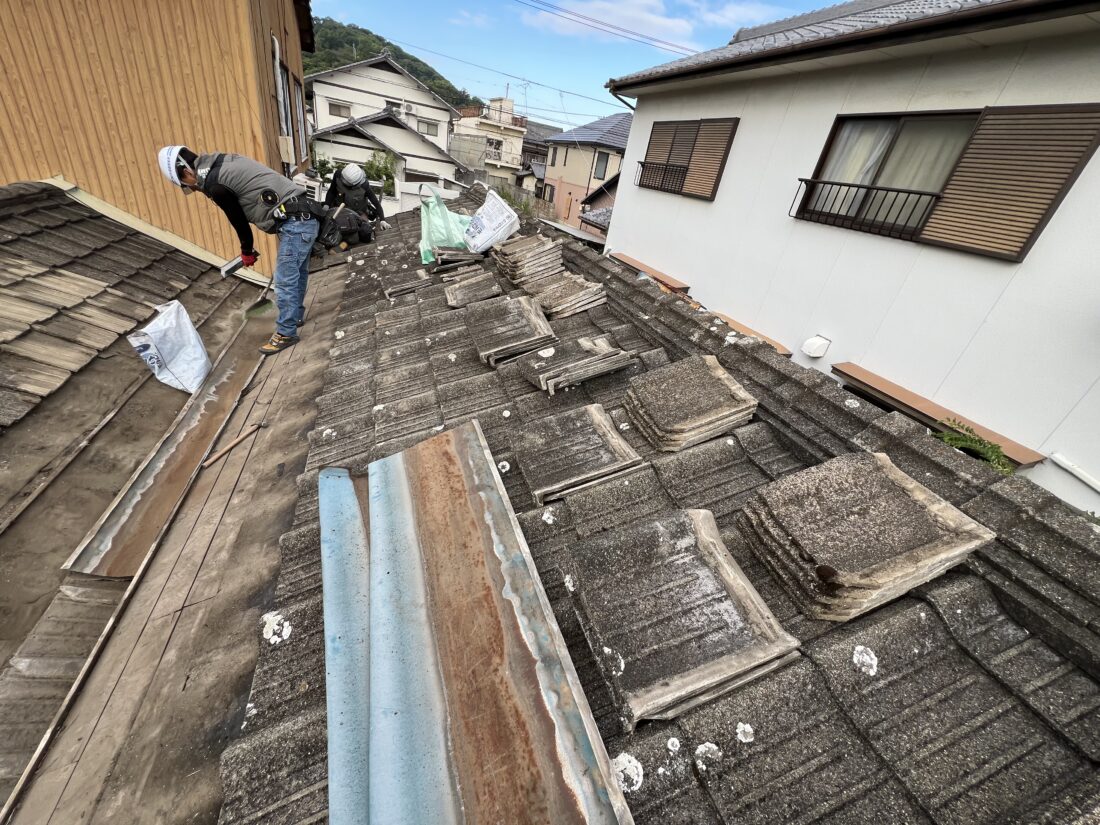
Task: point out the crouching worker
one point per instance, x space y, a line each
351 188
250 193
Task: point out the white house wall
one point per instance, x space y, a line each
366 90
1015 346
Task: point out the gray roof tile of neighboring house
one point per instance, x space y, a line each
539 132
598 217
71 281
611 131
976 697
794 34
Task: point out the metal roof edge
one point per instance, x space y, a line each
1015 12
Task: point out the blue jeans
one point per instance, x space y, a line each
292 272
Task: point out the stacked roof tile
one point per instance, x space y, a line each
972 698
687 402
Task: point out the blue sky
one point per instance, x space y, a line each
512 36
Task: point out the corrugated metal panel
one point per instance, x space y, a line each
1016 169
125 81
708 158
475 713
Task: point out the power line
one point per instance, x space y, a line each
604 31
654 41
513 76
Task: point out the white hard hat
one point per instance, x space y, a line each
353 174
169 159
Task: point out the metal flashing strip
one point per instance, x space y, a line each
345 578
133 523
473 710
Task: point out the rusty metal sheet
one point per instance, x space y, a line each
475 711
134 521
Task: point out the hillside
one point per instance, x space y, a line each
338 44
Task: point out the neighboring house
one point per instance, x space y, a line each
370 86
115 96
596 208
493 137
907 184
418 159
535 147
582 160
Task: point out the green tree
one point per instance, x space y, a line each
337 44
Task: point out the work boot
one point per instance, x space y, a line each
278 343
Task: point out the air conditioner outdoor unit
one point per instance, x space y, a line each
410 109
286 149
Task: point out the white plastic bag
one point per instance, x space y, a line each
172 348
494 221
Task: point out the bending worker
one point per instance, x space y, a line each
351 188
250 193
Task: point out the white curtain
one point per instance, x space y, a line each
921 158
857 151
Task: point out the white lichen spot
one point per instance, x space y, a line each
706 751
713 329
628 772
349 259
506 414
360 263
745 732
546 353
548 516
328 433
661 771
618 667
404 266
276 628
504 466
851 404
378 407
731 338
338 334
729 441
865 660
673 745
437 428
387 332
570 585
695 335
452 357
624 426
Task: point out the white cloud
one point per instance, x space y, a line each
477 20
677 21
734 15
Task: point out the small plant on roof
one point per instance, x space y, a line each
963 438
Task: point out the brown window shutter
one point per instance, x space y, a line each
660 142
1017 167
683 143
708 158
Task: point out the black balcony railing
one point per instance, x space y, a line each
880 210
665 177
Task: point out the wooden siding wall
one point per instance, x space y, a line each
91 89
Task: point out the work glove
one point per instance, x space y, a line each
383 225
249 256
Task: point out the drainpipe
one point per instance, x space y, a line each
1076 470
623 100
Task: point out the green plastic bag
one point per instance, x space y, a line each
439 226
